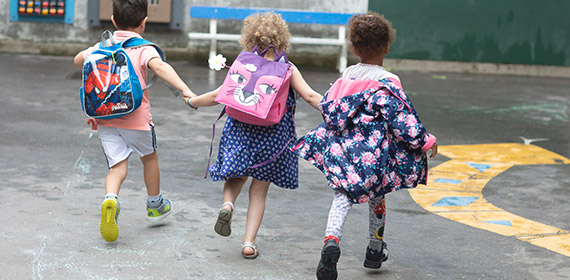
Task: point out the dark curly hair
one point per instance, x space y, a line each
370 34
129 13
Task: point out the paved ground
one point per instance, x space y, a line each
52 174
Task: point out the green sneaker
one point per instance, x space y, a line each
109 215
155 215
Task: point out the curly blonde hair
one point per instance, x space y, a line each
370 34
264 29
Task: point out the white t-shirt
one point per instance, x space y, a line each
362 71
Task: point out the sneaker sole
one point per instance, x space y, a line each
326 269
109 227
374 264
154 220
222 226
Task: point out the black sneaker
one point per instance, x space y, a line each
326 270
374 258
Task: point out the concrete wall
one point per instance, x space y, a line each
509 32
482 36
34 37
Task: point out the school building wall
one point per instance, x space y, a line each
510 31
23 36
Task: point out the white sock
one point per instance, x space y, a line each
112 195
153 201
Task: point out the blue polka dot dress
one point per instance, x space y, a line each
243 146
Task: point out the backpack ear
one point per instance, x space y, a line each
255 50
282 57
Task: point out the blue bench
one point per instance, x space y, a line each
214 14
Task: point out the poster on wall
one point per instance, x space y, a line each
42 8
42 11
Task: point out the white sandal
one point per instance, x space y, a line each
252 246
223 224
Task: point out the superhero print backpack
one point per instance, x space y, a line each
255 89
111 88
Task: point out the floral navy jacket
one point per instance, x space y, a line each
371 141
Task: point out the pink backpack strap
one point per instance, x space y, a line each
396 82
345 87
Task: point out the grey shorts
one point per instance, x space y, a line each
119 143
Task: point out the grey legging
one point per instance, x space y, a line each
340 208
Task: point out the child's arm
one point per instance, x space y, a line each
412 131
300 86
78 59
404 123
164 71
203 100
433 149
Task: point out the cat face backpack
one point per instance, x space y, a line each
255 89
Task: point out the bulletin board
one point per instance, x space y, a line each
57 11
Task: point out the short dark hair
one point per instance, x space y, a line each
129 13
370 34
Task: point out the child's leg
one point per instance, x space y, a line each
377 215
110 208
117 154
232 189
255 210
151 173
157 207
340 208
377 251
117 174
341 205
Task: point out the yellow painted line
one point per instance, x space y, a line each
455 191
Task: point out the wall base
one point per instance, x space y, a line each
325 61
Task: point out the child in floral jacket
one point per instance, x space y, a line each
370 143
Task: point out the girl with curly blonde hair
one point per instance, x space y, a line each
263 30
240 155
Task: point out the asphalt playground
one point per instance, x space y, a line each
495 207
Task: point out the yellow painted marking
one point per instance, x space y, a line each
461 179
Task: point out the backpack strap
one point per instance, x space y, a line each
222 113
274 157
106 38
134 42
280 57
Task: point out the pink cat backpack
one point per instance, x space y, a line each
255 89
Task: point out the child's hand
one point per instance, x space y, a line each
188 102
188 94
93 123
433 150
